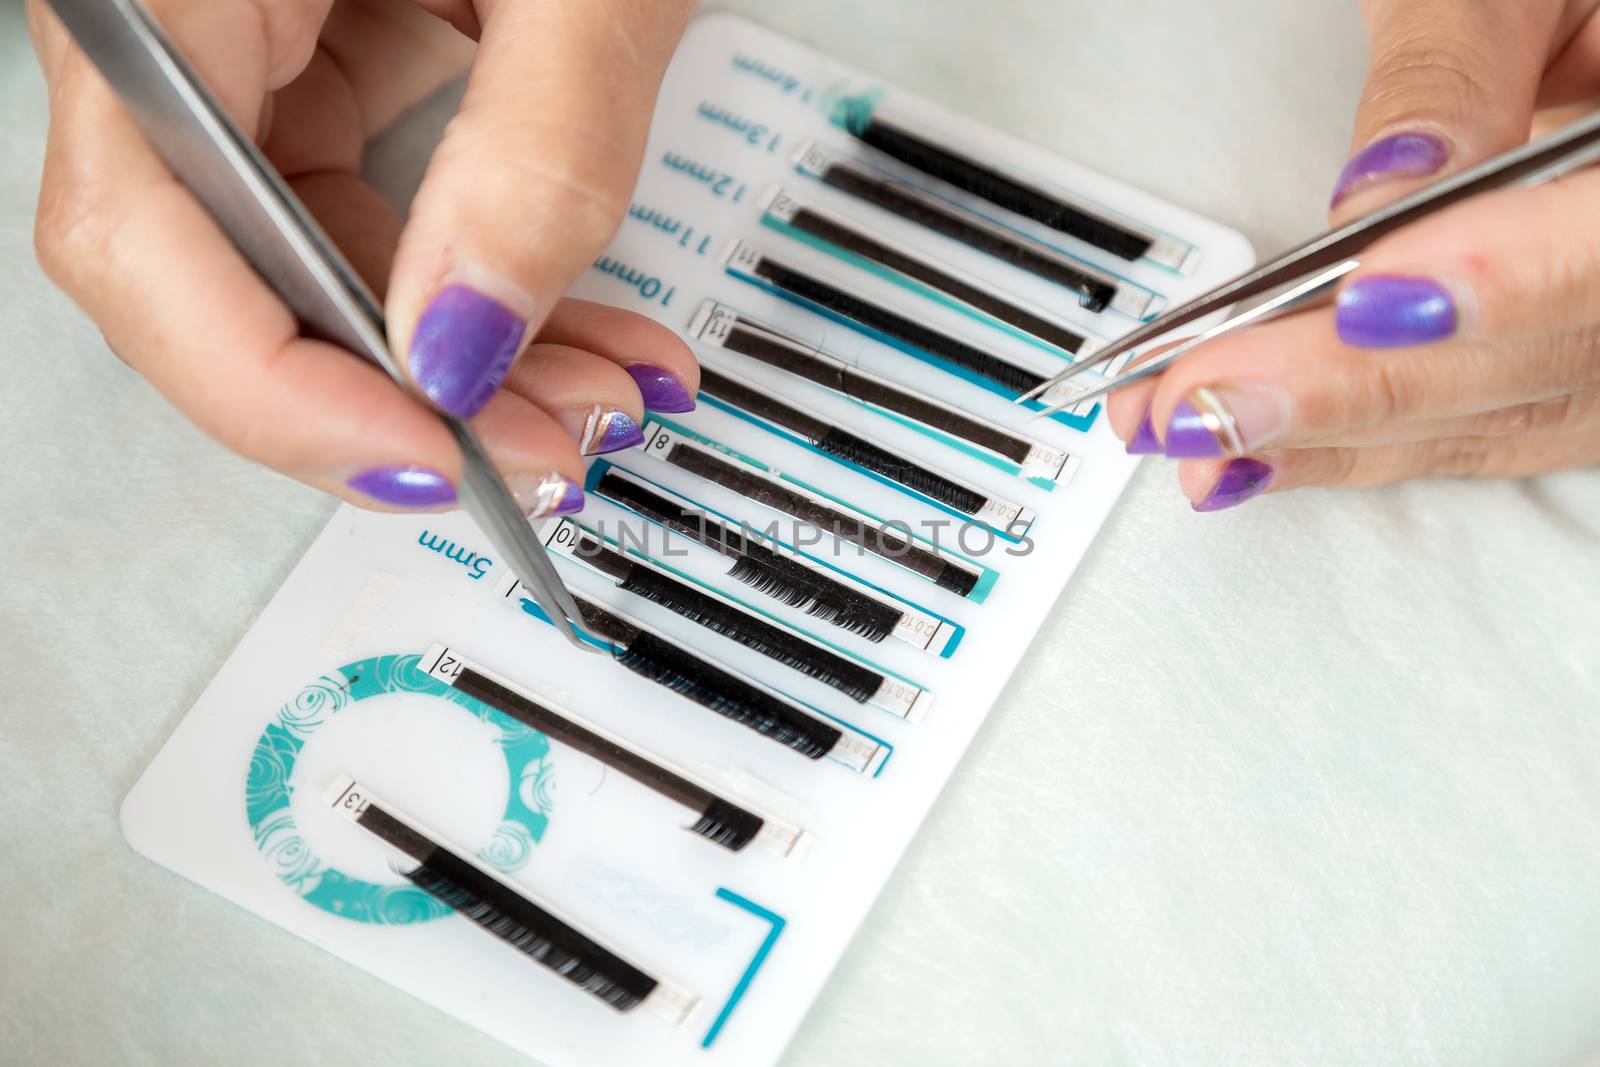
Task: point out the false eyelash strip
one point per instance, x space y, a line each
508 913
1006 518
757 482
1097 291
959 357
718 819
862 118
861 682
799 727
818 589
720 325
854 244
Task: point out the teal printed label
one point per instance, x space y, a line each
268 789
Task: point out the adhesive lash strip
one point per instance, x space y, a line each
838 599
717 819
1097 291
965 360
509 914
862 683
720 325
861 116
1009 520
801 728
757 482
853 244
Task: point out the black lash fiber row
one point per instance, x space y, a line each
829 599
509 914
864 119
733 331
858 681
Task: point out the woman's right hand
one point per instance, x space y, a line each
529 183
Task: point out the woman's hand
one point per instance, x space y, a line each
1466 344
528 185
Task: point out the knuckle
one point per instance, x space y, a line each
1417 71
1458 457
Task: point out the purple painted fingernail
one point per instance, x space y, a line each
1194 433
599 430
405 487
463 346
1387 311
544 495
1241 480
661 390
1404 155
1144 441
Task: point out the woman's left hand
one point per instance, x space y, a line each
1467 343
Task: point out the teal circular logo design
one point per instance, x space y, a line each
267 791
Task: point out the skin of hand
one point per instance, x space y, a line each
530 181
1465 344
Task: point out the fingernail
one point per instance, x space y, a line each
600 429
1404 155
661 390
544 495
1227 420
1388 311
463 346
1144 441
1241 480
405 487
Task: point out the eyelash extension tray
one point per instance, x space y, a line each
856 532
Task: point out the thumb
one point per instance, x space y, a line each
1450 84
529 183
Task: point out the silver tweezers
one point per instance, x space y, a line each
1309 274
277 235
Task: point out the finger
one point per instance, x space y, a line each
1570 75
527 186
173 298
592 398
660 363
1449 84
1128 409
1518 262
1217 486
1294 384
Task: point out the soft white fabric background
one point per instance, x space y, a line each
1314 782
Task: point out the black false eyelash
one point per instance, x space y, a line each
815 594
762 569
711 687
882 542
1094 293
855 681
973 177
841 443
660 661
788 355
853 240
512 917
870 315
720 821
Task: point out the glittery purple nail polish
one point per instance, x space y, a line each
1190 434
1144 441
611 431
405 487
542 496
660 389
1241 480
463 346
1405 155
1386 311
